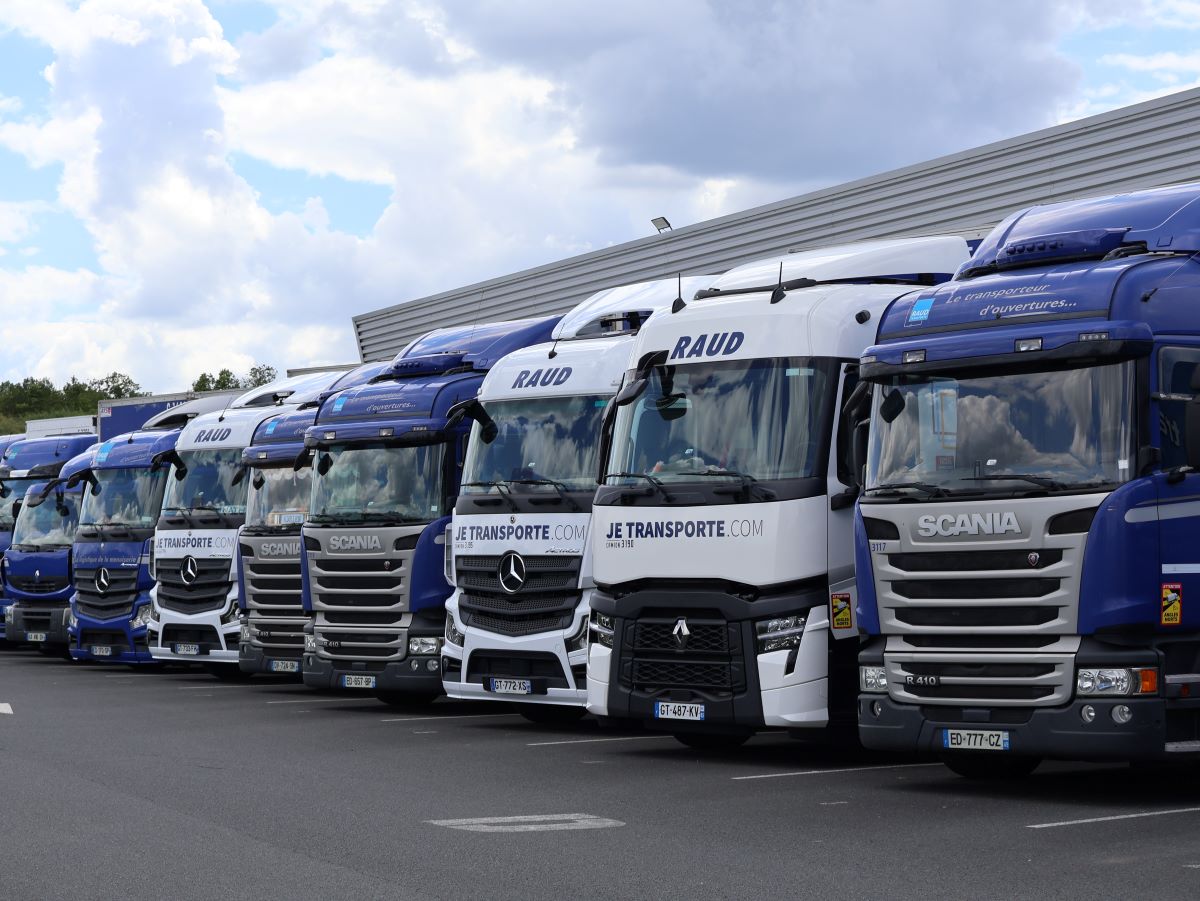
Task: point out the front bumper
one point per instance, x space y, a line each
217 640
557 676
127 645
396 675
1051 732
53 621
253 658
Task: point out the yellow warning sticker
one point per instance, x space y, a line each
840 611
1172 603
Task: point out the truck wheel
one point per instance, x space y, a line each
402 699
984 767
552 714
226 673
703 741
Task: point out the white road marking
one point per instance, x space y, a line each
849 769
548 822
326 701
833 803
589 741
425 731
203 687
453 716
6 708
1121 816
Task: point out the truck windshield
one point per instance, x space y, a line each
764 418
46 525
364 483
17 489
127 497
208 482
1061 430
281 500
551 439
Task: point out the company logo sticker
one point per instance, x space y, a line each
271 426
840 611
1172 603
920 311
338 404
102 452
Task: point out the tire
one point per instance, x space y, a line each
986 768
704 741
226 672
552 714
404 700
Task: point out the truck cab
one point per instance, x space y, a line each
280 476
387 461
1027 535
123 482
25 464
722 528
516 627
195 615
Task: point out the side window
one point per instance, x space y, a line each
845 431
1176 365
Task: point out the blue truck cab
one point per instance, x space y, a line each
36 564
387 462
1028 536
6 518
123 481
280 474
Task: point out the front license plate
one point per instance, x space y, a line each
358 681
101 650
974 740
35 636
512 686
285 666
187 649
665 710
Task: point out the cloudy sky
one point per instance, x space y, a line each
186 185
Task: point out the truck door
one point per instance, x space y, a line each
842 594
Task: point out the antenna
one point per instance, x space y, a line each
779 294
554 349
679 303
225 409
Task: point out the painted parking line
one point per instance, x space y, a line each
592 741
6 708
453 716
547 822
204 687
327 701
849 769
1121 816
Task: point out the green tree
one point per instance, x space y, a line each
224 380
260 374
116 384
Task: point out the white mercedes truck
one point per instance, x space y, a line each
722 530
194 603
516 626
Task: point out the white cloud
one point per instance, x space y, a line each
16 219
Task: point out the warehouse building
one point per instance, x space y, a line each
1148 144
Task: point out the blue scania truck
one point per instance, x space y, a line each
37 564
387 462
280 473
1028 537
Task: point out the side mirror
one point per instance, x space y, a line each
5 491
892 406
238 476
858 452
259 479
323 463
304 458
630 392
1191 433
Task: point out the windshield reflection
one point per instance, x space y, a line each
127 497
47 525
278 498
377 482
208 482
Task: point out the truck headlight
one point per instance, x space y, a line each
8 614
448 562
424 645
1116 681
872 679
72 619
602 629
453 636
781 633
232 616
578 641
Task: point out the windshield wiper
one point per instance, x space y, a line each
748 487
182 511
1040 481
116 528
931 490
209 508
501 489
657 483
560 487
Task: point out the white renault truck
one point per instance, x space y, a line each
516 627
194 613
722 530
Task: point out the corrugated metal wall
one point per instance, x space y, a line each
1152 143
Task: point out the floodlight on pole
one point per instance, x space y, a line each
661 223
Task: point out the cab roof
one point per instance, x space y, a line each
132 450
42 456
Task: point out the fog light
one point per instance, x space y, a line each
872 679
432 665
1087 713
876 709
414 664
1122 714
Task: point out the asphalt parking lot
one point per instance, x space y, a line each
119 784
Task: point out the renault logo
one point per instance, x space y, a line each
189 570
512 572
682 633
102 580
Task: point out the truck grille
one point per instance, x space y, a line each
30 585
210 590
273 600
546 601
710 660
115 602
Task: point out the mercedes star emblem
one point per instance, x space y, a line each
102 580
189 570
682 633
512 572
